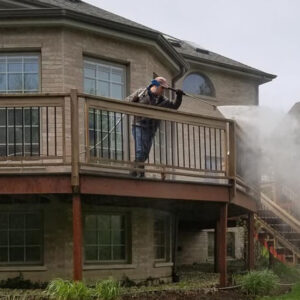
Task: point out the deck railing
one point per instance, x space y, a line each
45 130
32 130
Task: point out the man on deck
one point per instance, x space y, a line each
144 129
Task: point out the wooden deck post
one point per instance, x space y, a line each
77 238
250 241
76 201
222 248
216 246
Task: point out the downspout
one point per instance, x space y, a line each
177 77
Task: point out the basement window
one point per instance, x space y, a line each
162 231
230 244
20 238
106 238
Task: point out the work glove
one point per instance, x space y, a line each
180 92
135 99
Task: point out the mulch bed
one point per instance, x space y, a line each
188 295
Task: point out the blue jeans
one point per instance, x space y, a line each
143 137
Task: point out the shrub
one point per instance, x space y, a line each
259 283
67 290
19 282
286 273
107 290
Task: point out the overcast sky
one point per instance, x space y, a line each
261 33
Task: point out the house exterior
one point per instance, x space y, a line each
68 207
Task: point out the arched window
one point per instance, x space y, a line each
198 84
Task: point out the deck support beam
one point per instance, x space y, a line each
250 241
216 246
222 244
77 238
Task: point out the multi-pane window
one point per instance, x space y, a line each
230 236
213 163
162 238
105 134
19 73
104 79
105 129
230 244
20 238
198 84
105 238
19 131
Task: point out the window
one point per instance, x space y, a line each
198 84
230 244
19 73
105 134
213 163
162 238
104 79
105 238
105 128
19 131
20 238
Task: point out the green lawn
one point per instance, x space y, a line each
293 295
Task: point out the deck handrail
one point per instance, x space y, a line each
213 130
280 212
278 236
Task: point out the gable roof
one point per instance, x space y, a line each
197 53
89 9
178 49
83 12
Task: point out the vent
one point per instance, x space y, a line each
203 51
175 44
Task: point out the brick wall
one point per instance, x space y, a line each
58 251
193 246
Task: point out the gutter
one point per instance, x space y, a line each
265 77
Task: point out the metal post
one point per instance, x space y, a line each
77 238
216 246
76 201
222 252
251 241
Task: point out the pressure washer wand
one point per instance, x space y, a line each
194 97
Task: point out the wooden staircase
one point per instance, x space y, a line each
277 229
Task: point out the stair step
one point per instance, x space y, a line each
282 227
291 235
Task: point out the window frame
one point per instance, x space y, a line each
127 231
23 55
99 150
107 64
209 245
168 237
41 239
207 79
23 126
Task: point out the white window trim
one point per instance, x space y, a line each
22 55
111 66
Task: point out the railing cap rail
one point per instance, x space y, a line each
152 107
33 95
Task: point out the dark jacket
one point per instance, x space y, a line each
144 96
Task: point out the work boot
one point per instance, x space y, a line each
133 173
141 174
137 173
